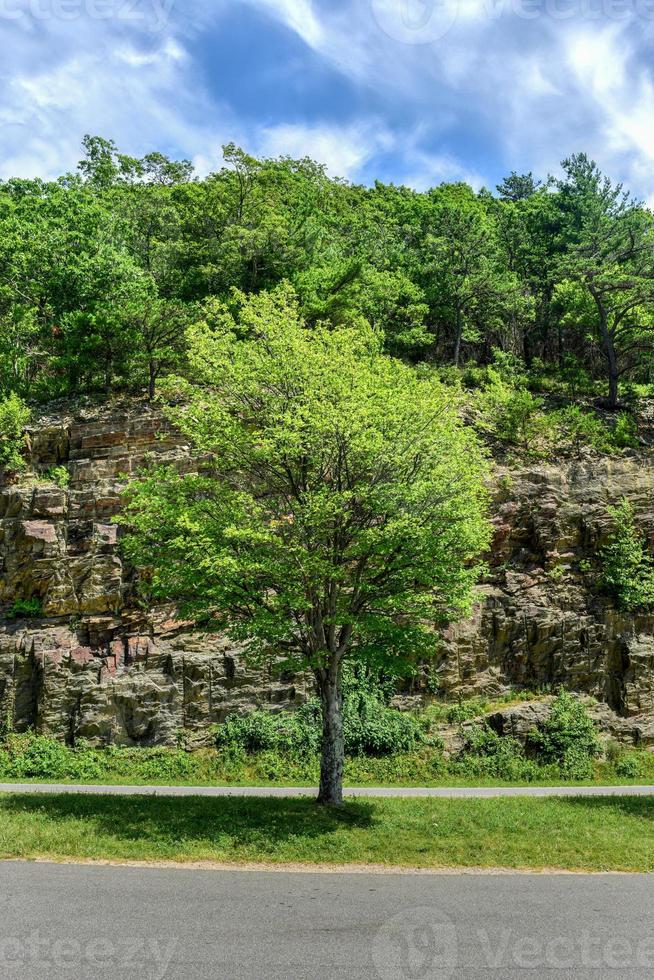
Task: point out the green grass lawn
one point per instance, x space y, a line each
600 834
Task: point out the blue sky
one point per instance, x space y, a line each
413 91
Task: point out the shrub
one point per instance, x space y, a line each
473 376
513 415
576 429
627 567
568 737
556 574
625 431
488 754
447 374
31 756
58 475
36 757
614 751
628 767
575 377
14 416
260 731
465 710
564 746
370 727
163 764
380 731
510 367
26 609
576 763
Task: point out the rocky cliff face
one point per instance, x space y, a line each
97 666
540 619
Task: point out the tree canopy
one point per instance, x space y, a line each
340 509
101 269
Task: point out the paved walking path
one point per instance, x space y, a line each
443 792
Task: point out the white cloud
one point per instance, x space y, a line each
132 85
170 51
496 92
598 57
298 15
606 66
342 149
538 81
424 170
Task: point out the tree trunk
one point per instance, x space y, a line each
458 338
608 344
152 380
333 744
613 387
611 360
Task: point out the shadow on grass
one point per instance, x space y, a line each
631 806
170 821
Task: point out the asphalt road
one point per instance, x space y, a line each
444 792
75 921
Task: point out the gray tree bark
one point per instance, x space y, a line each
333 742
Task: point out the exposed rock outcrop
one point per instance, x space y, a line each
97 666
540 619
518 720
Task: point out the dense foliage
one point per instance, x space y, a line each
102 270
396 748
341 503
339 511
370 727
627 564
14 416
568 737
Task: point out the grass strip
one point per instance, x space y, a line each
593 834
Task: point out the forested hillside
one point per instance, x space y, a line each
523 316
101 271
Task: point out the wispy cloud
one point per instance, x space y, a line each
58 83
298 15
344 150
422 170
537 80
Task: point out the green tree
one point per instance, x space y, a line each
101 336
553 271
611 254
627 565
568 737
518 187
14 416
469 284
21 353
528 230
389 301
60 262
160 334
103 166
340 512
